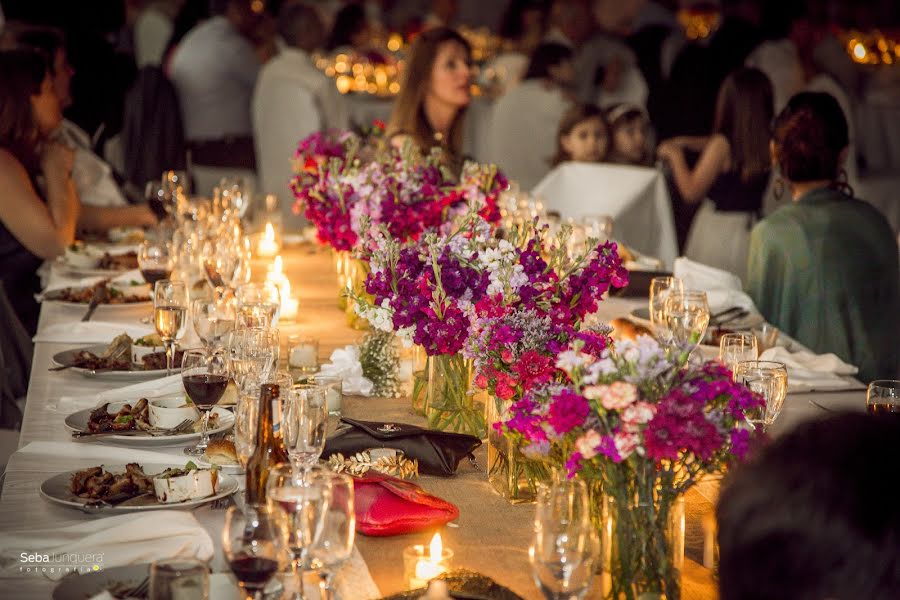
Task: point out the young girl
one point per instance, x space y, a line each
583 135
630 129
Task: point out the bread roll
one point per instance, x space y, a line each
624 329
221 452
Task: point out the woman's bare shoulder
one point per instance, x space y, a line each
11 168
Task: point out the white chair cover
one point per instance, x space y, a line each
635 197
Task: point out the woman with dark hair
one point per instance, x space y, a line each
732 171
824 269
430 109
350 30
525 121
37 222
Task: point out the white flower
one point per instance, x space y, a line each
587 444
627 444
570 360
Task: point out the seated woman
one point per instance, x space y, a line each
630 136
732 171
825 269
430 109
36 222
583 135
525 121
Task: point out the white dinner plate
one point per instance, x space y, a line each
87 585
61 359
78 421
148 303
56 490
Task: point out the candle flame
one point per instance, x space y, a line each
270 232
437 548
859 51
278 267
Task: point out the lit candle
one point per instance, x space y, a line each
305 356
426 567
290 307
268 245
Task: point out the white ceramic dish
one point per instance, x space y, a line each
78 421
56 490
194 485
166 413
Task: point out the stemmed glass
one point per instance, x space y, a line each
737 347
258 304
245 416
883 397
335 545
250 547
769 380
660 289
299 505
170 301
253 354
205 377
687 316
213 319
155 260
303 425
564 547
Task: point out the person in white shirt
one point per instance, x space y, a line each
214 70
292 99
152 31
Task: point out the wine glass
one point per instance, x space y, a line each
213 319
660 288
258 304
335 545
564 547
249 542
158 200
687 315
170 300
769 380
173 181
303 425
737 347
245 416
155 260
205 377
299 505
883 397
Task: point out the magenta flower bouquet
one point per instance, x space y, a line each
645 425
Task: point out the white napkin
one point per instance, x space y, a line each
809 372
117 541
90 332
723 289
345 364
154 388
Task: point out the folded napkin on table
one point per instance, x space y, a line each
146 389
809 372
90 332
45 456
345 364
723 289
120 540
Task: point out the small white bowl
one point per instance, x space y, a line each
166 413
83 257
196 484
129 285
139 352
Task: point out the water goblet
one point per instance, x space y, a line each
769 380
737 347
304 424
335 544
660 289
170 300
686 317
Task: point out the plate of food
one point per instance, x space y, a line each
119 582
114 295
147 422
133 487
116 361
86 259
221 453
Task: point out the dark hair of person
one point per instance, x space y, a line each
511 23
808 137
623 114
408 116
544 57
744 110
572 117
814 515
299 24
349 21
22 73
44 39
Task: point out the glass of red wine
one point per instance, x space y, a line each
205 377
249 545
155 260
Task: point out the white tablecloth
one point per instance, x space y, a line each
635 197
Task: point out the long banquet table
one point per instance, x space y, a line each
490 536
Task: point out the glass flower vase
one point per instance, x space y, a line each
341 259
356 272
451 401
642 546
510 473
420 390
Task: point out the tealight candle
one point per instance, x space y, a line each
334 392
421 565
304 356
268 245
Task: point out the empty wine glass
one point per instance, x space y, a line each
737 347
660 288
687 316
299 505
205 377
245 415
213 319
170 300
769 380
249 543
258 304
303 425
564 547
155 260
335 544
